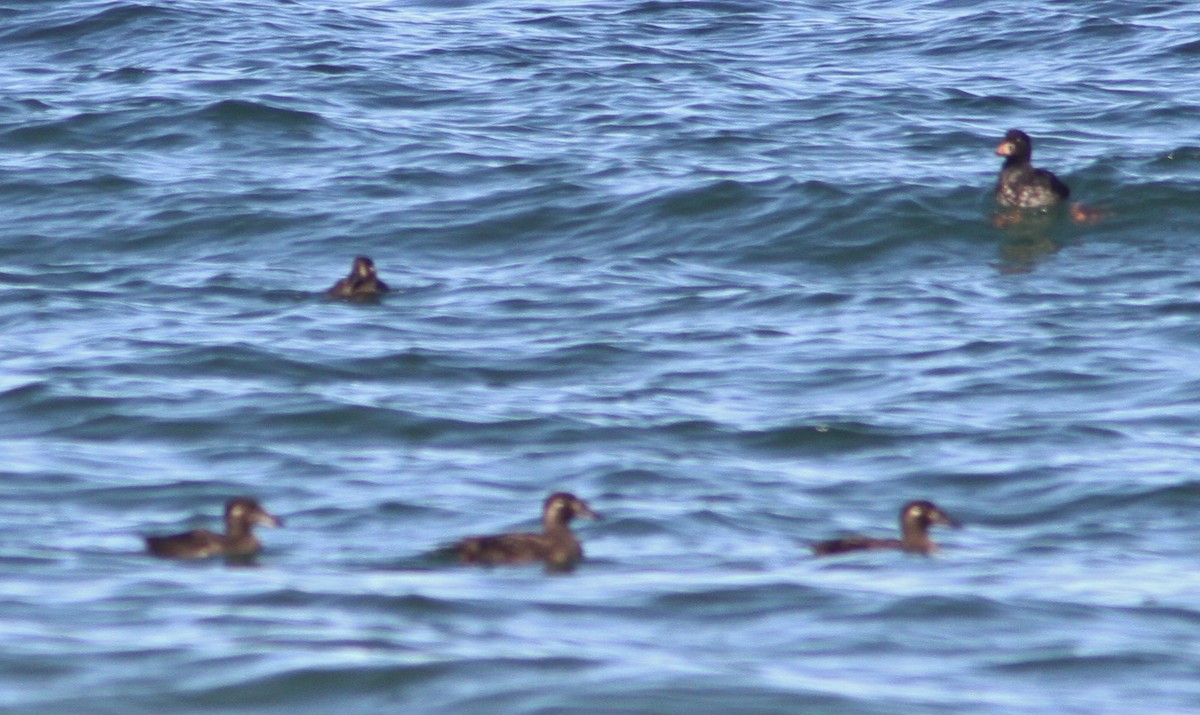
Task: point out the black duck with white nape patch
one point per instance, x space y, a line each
556 546
915 519
1020 185
241 515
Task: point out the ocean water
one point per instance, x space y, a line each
725 269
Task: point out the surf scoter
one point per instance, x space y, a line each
915 519
1020 185
238 540
361 283
556 546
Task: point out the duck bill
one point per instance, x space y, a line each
941 518
1005 149
584 511
265 519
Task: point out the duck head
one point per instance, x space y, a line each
561 507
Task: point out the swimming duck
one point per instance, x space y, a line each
556 545
915 519
362 282
1020 185
238 540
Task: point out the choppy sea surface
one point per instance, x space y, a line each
725 269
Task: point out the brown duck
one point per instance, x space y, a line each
238 540
915 519
362 283
556 546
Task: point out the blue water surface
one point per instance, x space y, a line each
726 269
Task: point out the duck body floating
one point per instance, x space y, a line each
241 515
1021 186
557 546
915 519
363 283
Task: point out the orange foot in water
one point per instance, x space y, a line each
1005 219
1082 213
